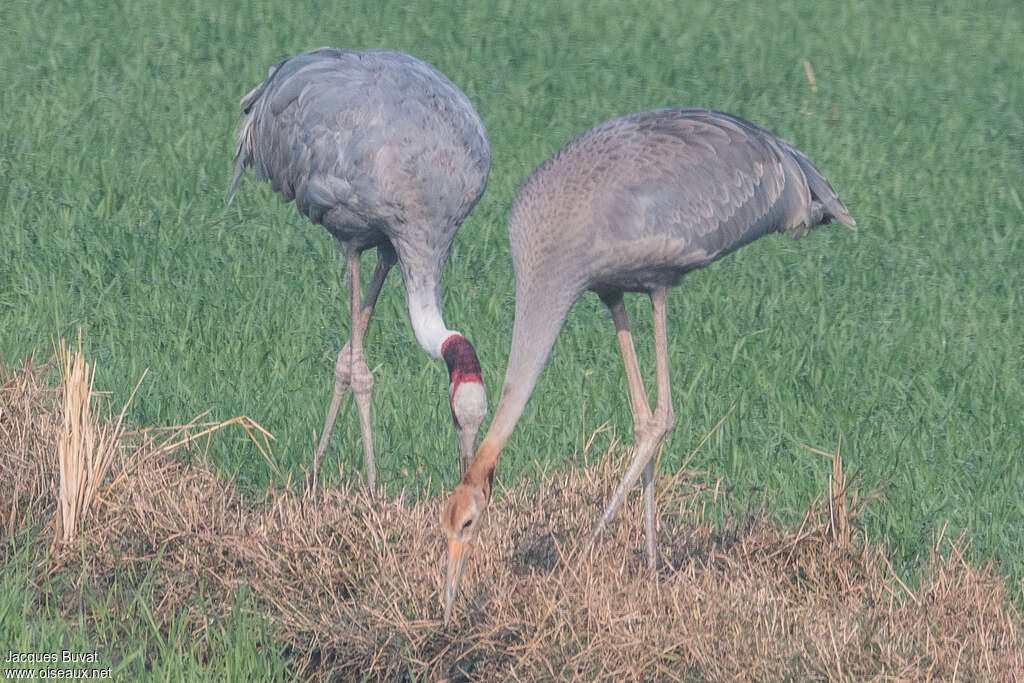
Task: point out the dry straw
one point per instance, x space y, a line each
351 584
86 447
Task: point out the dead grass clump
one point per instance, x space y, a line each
86 446
29 428
352 584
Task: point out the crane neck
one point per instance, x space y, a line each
427 323
466 394
480 474
539 316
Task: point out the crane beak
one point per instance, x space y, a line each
467 438
457 551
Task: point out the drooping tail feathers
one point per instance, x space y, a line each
822 190
245 145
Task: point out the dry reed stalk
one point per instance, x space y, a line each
85 448
809 72
838 506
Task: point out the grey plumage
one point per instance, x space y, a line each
632 205
383 151
638 202
373 145
645 198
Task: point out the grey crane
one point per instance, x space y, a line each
633 205
384 151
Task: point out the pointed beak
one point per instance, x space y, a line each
467 439
457 551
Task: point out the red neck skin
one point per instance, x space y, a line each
463 366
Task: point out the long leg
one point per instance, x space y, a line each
641 414
664 418
637 395
362 379
343 366
649 436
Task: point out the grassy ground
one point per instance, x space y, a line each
129 640
905 338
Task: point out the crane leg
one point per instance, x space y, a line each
650 428
637 395
664 418
641 410
343 366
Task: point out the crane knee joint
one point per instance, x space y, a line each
362 379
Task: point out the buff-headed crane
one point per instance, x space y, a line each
633 205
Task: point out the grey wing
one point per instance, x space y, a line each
643 199
255 110
299 126
698 184
309 131
813 201
714 182
358 134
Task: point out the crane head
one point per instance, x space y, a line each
469 406
466 393
461 519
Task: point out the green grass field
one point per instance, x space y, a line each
905 339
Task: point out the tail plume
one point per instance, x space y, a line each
246 143
822 191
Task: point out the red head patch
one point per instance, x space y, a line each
463 367
460 357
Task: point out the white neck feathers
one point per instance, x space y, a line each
427 324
